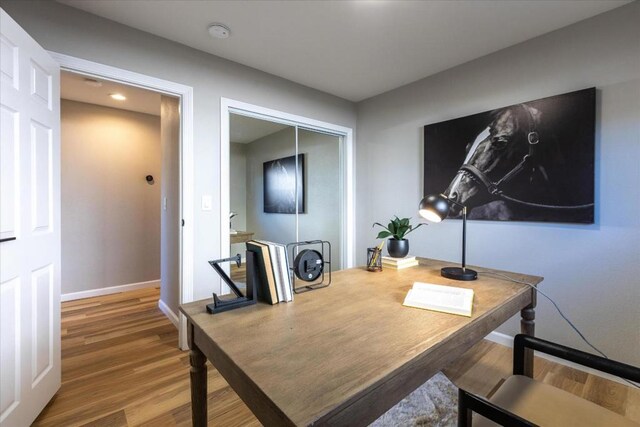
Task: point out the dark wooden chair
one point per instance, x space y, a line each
522 401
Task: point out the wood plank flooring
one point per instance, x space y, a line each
479 368
238 274
121 366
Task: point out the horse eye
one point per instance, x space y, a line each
499 143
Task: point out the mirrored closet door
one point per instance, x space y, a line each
285 186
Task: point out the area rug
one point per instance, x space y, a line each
433 404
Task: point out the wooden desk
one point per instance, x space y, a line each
241 236
345 354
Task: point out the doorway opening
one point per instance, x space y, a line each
176 103
119 190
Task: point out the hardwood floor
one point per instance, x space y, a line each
121 367
479 368
238 273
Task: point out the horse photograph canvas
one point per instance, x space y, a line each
532 161
280 177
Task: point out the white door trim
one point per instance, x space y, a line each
185 93
348 176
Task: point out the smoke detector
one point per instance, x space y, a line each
219 31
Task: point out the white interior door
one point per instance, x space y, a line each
29 226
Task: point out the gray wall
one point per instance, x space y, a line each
321 219
170 213
238 188
66 30
279 228
590 270
110 215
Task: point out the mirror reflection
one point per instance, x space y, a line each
285 186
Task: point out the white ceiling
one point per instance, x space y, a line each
243 130
74 87
352 49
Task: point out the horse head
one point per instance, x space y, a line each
495 152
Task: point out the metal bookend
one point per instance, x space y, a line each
219 305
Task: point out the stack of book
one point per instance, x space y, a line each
399 263
272 271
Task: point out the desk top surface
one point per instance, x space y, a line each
328 348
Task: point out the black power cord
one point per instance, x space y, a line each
569 322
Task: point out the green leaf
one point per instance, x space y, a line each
377 223
398 228
416 227
402 231
392 227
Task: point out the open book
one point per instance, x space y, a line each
447 299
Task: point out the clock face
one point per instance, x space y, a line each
308 265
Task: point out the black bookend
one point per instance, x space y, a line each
219 305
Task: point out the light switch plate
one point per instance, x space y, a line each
207 202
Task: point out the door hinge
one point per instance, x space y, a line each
182 222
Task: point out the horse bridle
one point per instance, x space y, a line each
494 189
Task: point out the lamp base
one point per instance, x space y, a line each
458 273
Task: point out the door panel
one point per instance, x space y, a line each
30 264
322 219
41 85
9 62
42 321
10 345
9 179
41 177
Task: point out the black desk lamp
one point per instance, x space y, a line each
435 208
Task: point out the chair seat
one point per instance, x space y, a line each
546 405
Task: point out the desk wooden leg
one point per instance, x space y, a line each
528 326
198 383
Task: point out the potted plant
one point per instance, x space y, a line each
398 246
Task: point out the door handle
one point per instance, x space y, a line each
7 239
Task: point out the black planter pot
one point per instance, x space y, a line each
398 248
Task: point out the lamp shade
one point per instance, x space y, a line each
434 208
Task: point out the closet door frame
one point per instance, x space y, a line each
347 170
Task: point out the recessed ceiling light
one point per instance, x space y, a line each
93 82
118 96
219 31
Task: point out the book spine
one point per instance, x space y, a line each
287 274
259 271
280 264
276 273
399 263
284 272
271 281
399 267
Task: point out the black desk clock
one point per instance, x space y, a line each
311 265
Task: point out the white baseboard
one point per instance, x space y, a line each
507 341
173 317
110 290
500 338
